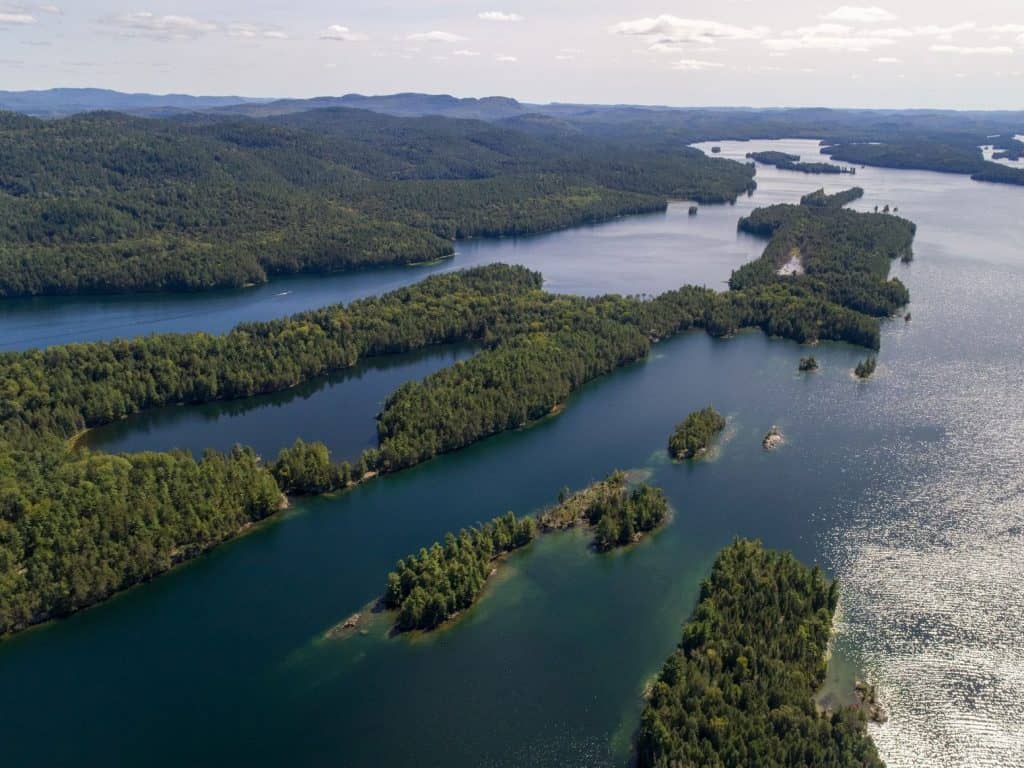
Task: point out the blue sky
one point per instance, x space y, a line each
901 53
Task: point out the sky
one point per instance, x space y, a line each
901 53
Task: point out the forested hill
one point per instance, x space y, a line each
104 202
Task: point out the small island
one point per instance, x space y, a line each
693 435
431 587
787 162
733 694
808 364
819 199
773 439
865 368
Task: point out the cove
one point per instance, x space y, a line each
908 487
338 410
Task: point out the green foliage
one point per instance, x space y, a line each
103 202
787 162
808 364
538 348
616 513
739 691
517 382
76 527
694 434
773 158
63 389
620 516
865 368
927 155
845 255
306 468
429 588
819 199
999 174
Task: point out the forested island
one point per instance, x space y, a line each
819 199
537 349
787 162
429 588
831 243
693 435
739 690
927 155
865 368
107 203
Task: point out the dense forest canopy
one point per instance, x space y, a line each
739 690
429 588
62 549
788 162
104 202
693 434
845 255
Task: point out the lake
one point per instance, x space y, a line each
908 487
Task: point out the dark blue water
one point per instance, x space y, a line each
339 410
909 487
670 247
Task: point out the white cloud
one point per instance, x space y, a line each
162 27
888 60
1007 29
250 31
50 9
893 32
821 30
695 65
435 36
827 37
667 30
500 16
506 59
17 18
860 14
931 30
959 50
338 32
944 33
465 52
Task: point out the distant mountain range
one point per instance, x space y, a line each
939 140
57 102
